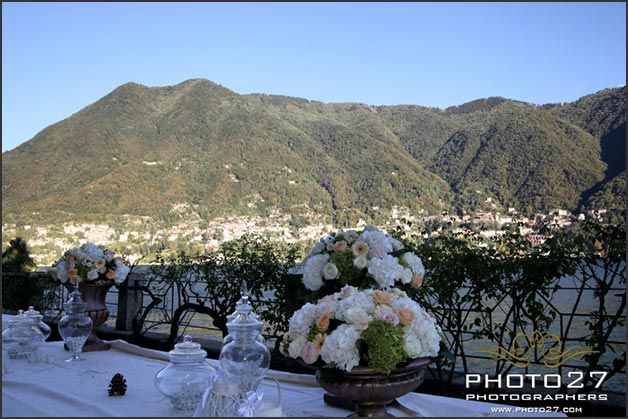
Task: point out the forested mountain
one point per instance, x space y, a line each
603 115
142 150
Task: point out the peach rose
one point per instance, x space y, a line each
406 316
72 272
340 246
110 274
323 322
382 297
417 280
319 340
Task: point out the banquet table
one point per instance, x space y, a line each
49 386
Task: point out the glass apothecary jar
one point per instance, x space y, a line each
75 326
244 299
244 359
37 319
22 337
184 380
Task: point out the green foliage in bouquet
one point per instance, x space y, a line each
384 343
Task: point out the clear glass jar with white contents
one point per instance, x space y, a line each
37 319
184 380
245 360
22 337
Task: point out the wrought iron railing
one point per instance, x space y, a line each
143 307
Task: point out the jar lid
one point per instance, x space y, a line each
20 318
34 314
244 318
187 351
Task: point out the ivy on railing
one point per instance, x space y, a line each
504 293
211 283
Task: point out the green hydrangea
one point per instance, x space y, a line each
348 274
384 345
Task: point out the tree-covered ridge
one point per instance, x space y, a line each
142 150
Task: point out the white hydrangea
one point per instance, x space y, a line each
340 348
92 251
357 317
302 319
376 240
396 244
414 262
313 271
327 305
295 348
406 276
405 301
385 271
421 337
62 273
318 248
361 299
121 272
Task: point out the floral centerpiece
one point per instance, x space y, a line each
370 259
93 270
90 263
366 321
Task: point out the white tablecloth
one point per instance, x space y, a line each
52 387
5 321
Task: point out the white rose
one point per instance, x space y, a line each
327 305
92 274
330 271
360 262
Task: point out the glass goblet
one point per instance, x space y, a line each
75 326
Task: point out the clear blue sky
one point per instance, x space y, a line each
58 58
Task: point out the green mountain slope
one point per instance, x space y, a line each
603 115
144 151
521 156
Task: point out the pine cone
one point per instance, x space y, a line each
117 387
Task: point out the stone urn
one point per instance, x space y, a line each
369 390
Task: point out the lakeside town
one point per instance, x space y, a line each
140 237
